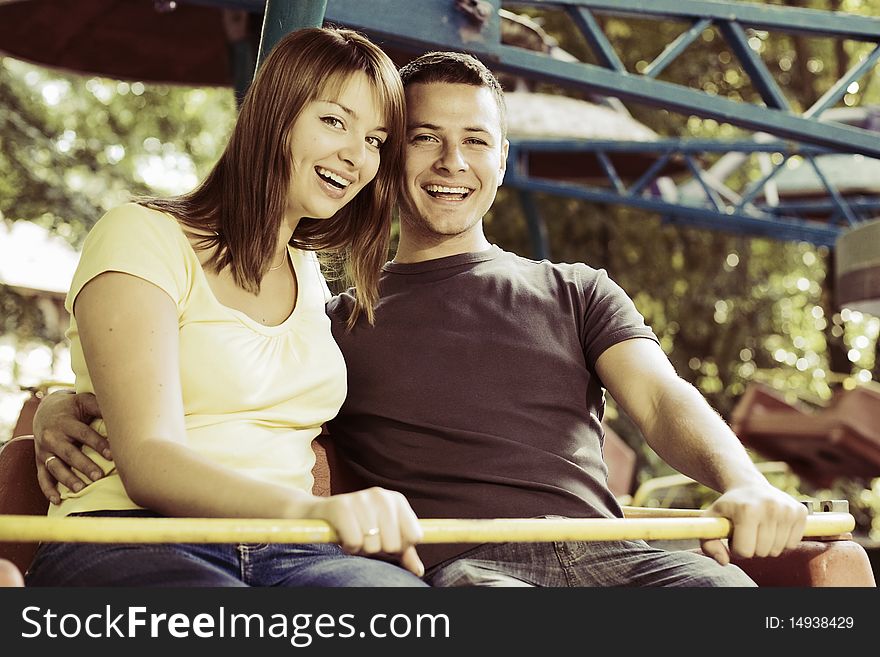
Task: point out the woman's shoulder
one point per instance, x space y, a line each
137 212
140 241
135 223
133 229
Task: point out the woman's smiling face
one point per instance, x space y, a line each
335 146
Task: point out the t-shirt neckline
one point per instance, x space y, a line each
442 263
243 317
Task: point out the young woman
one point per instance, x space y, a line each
199 324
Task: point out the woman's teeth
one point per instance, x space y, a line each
331 177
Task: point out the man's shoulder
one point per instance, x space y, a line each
339 306
577 272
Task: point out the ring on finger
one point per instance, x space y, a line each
46 462
372 531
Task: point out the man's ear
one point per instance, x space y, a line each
505 147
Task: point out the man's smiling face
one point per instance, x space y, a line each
455 157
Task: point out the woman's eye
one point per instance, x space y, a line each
332 121
375 142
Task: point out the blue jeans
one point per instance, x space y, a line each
207 564
582 563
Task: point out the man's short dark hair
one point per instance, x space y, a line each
455 68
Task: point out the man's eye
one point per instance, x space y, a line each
424 138
333 121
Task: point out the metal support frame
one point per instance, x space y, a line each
439 25
535 222
443 24
283 16
716 205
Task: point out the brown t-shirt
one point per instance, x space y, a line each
475 393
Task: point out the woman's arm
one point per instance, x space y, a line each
134 367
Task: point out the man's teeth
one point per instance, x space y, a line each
339 180
439 189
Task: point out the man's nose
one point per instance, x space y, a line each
452 159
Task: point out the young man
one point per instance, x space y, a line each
478 393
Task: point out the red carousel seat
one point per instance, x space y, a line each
840 440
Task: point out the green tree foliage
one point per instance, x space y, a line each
72 146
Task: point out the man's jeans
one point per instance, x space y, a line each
184 565
582 563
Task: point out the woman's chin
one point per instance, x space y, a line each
324 213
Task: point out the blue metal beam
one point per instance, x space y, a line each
837 91
673 97
283 16
839 202
791 229
778 18
611 172
452 30
669 145
674 49
755 189
865 206
754 66
790 20
651 174
711 194
594 35
787 216
536 225
439 25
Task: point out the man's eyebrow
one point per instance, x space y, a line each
350 112
437 128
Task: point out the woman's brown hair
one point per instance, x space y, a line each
243 199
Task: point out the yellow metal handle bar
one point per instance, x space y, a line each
84 529
658 512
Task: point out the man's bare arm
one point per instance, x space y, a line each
61 428
681 426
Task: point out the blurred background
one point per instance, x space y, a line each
734 312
